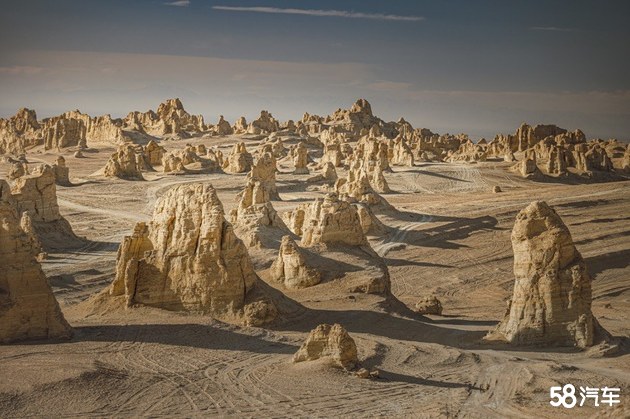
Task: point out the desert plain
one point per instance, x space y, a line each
441 228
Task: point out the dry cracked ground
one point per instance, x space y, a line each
449 236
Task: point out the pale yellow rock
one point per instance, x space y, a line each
332 343
331 220
188 258
62 172
301 159
28 308
153 153
239 160
551 302
401 153
291 268
264 171
125 163
171 163
255 215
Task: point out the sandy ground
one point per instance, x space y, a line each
449 235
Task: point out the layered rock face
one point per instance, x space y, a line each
28 308
239 160
188 258
332 343
291 267
551 303
125 163
36 194
331 220
19 132
77 129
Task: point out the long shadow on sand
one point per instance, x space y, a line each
443 236
190 335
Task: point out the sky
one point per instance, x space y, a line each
480 67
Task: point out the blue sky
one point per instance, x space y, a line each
480 67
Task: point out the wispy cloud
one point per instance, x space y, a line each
551 29
178 3
321 13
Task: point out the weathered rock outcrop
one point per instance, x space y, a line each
332 343
264 172
551 303
327 174
331 220
125 163
291 267
239 160
188 258
153 153
19 132
28 308
255 216
265 124
429 305
223 127
300 160
401 154
170 119
172 163
36 194
62 172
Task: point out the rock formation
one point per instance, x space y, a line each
361 185
265 124
331 220
188 258
16 170
125 163
19 132
291 267
327 174
401 153
153 153
331 343
28 308
240 126
264 171
551 303
239 160
429 305
255 215
223 127
171 119
301 159
62 173
171 163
